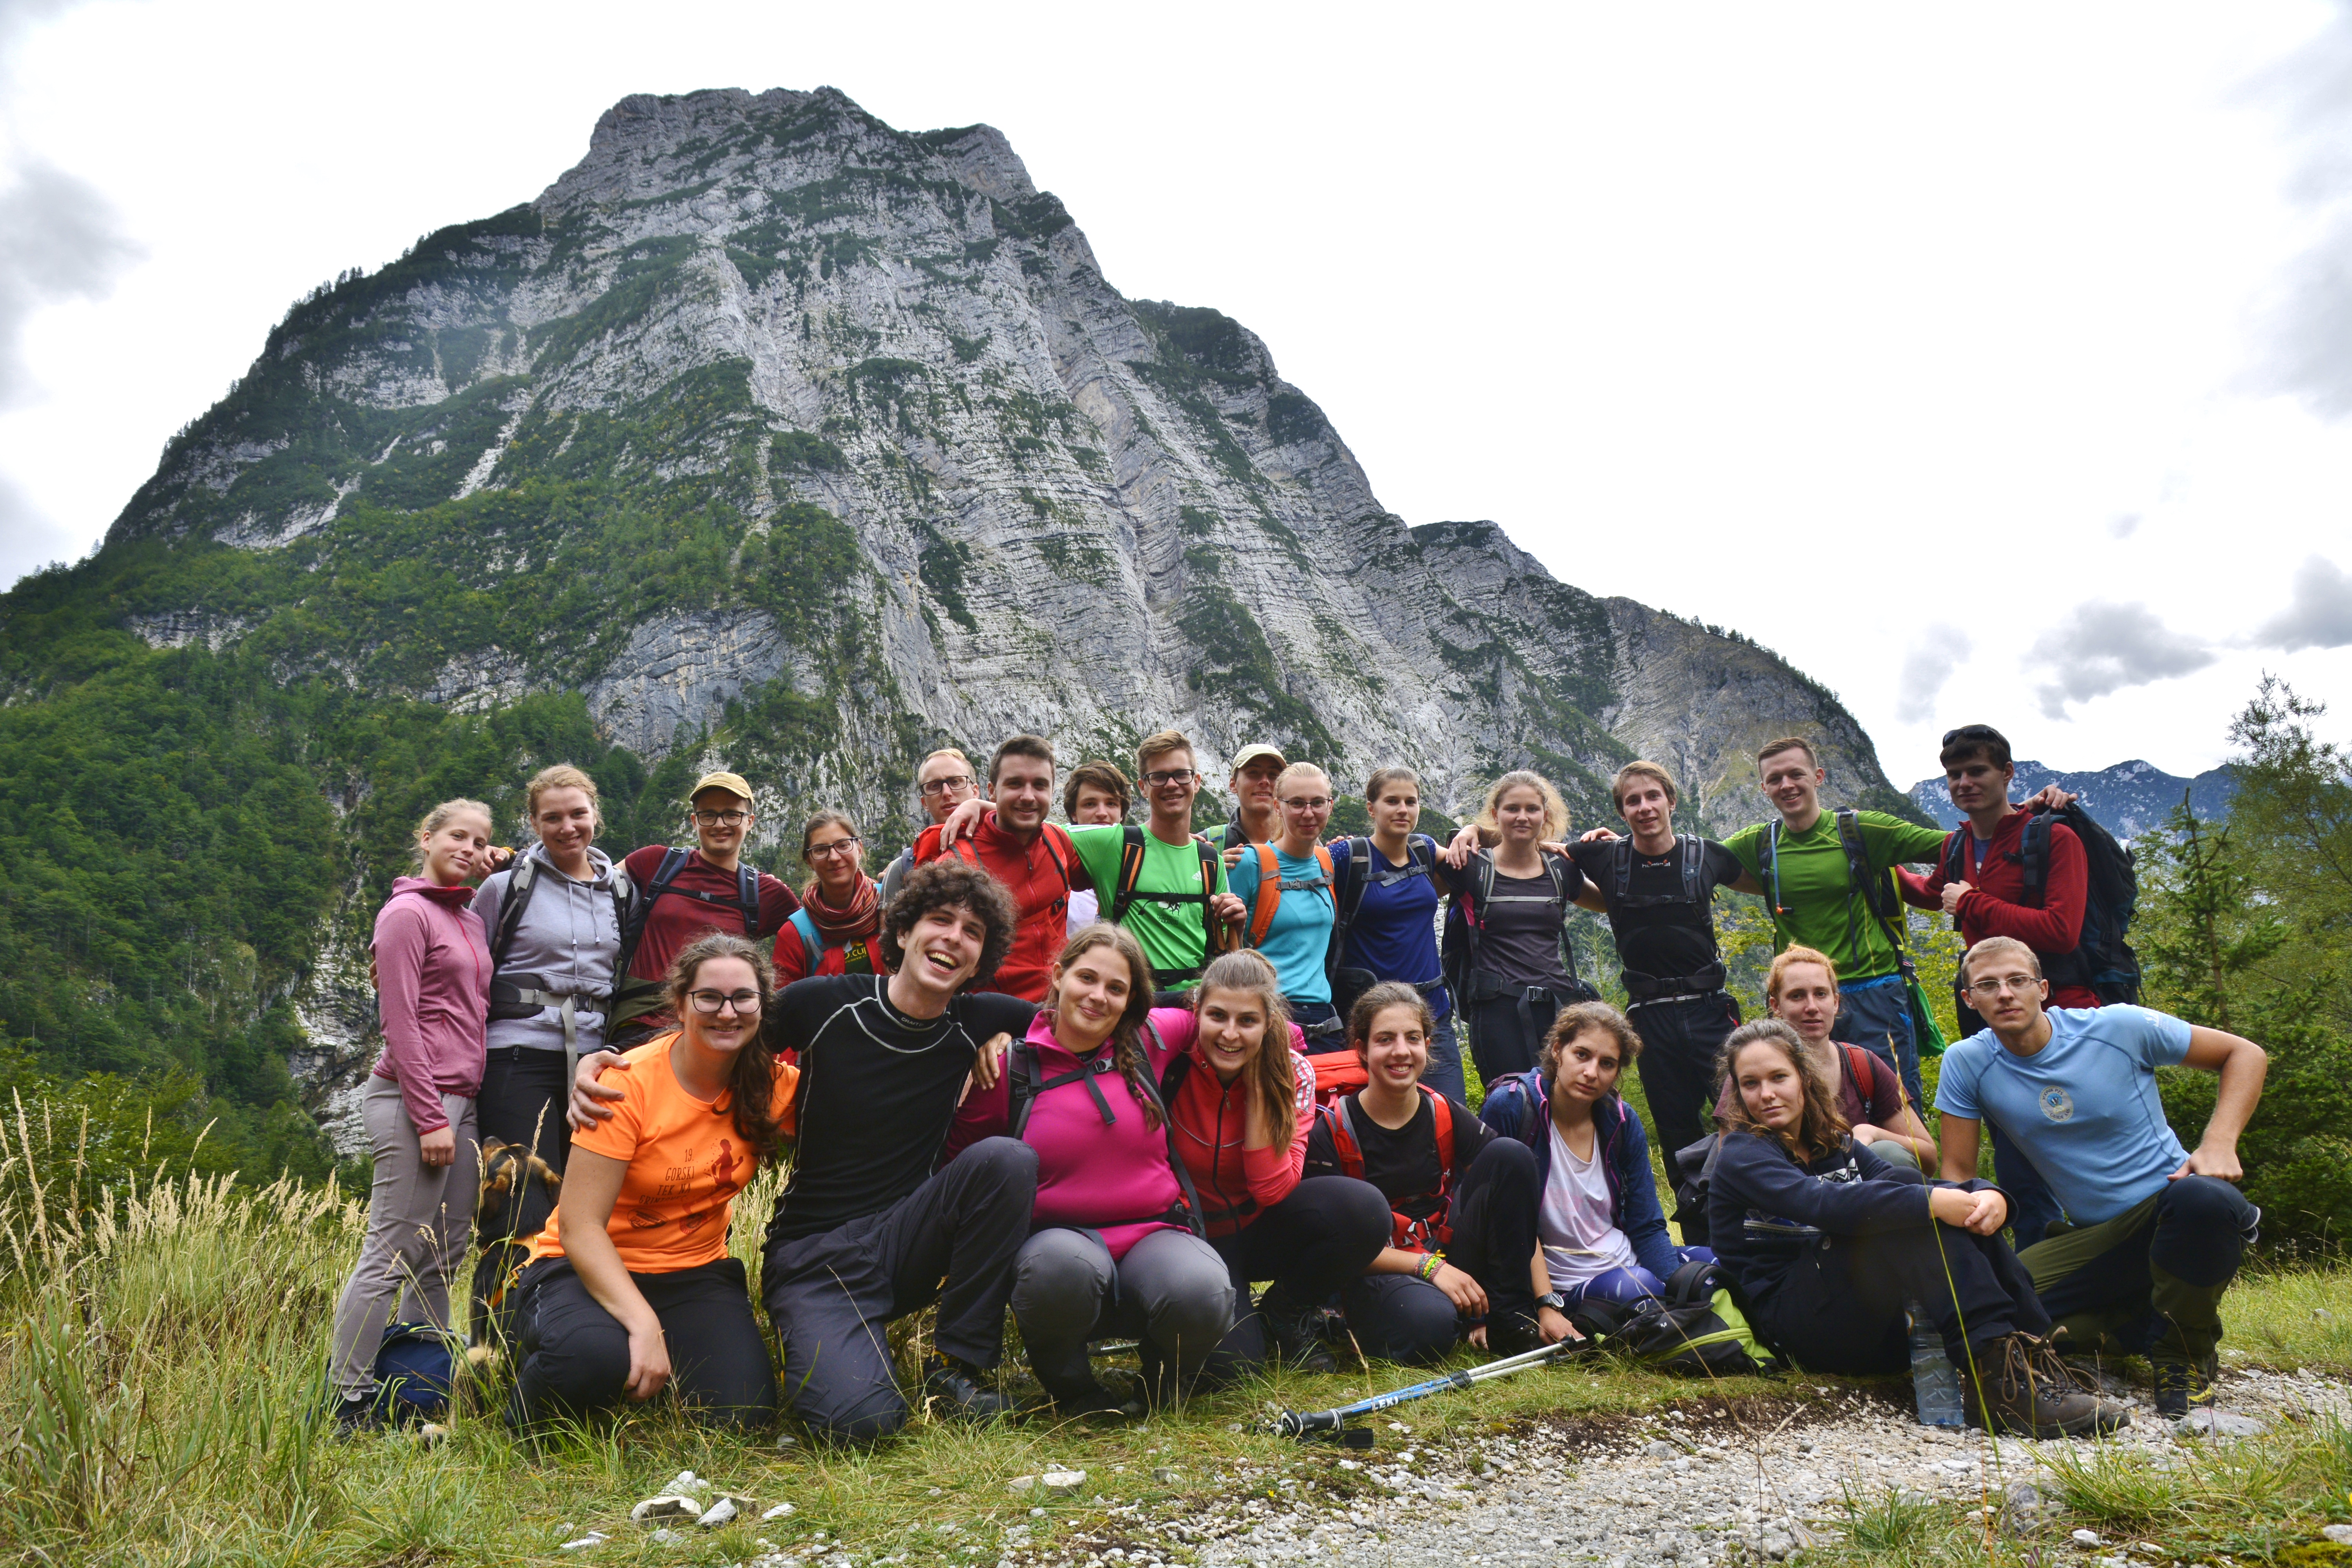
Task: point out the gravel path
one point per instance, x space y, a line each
1686 1487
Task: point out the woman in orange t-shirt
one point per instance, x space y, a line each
630 1286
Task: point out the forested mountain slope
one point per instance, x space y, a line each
770 436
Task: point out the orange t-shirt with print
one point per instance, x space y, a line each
686 1164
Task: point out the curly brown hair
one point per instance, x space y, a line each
751 1081
1597 1016
1126 1034
1821 1129
948 884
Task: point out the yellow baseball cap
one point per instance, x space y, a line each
1249 754
731 782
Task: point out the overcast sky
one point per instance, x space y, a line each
1992 362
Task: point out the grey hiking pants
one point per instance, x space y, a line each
420 1223
1172 1289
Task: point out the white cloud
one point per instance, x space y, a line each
1939 650
60 239
2102 648
2320 613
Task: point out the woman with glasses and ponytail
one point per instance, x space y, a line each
630 1289
837 928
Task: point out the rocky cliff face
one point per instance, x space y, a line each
790 439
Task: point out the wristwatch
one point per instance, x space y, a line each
1555 1300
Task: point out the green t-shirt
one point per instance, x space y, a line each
1817 905
1175 934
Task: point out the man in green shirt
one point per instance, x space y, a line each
1807 867
1165 886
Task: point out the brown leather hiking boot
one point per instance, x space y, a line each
2027 1392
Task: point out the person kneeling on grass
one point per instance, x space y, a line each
630 1289
1602 1233
2153 1233
1802 992
1462 1255
1828 1242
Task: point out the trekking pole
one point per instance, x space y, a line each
1319 1422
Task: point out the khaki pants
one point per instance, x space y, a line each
420 1223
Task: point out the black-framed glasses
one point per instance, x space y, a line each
1166 776
713 818
710 1004
838 847
941 786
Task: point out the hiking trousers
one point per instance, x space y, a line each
1169 1291
2150 1280
420 1222
1400 1317
523 1100
576 1354
1680 1039
832 1295
1506 1032
1876 1015
1840 1308
1312 1243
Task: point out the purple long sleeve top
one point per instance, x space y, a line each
433 996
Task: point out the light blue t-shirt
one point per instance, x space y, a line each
1300 936
2084 1108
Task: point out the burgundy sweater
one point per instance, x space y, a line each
433 995
1994 904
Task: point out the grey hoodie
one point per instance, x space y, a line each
568 940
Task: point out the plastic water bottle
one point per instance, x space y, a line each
1934 1384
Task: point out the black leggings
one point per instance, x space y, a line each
1839 1309
576 1355
1398 1317
1325 1233
522 1099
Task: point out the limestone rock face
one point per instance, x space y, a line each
776 431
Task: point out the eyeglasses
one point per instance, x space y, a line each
1309 803
1167 777
941 786
838 847
2020 984
713 818
710 1004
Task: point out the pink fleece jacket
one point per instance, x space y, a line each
433 995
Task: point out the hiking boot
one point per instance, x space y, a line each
2027 1391
957 1392
2183 1385
357 1413
1295 1332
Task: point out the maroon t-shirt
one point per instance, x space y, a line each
674 922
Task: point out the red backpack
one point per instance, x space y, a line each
1407 1234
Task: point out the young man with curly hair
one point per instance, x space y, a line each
865 1231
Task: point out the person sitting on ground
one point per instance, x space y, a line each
1516 974
2155 1232
943 781
1256 817
837 930
1115 1244
1166 886
630 1289
1828 1242
1096 794
710 887
1801 992
1286 886
865 1232
432 966
1603 1235
1033 858
1387 888
1461 1257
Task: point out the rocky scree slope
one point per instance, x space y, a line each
773 436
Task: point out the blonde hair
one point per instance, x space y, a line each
1791 955
1300 770
439 818
561 775
1998 944
1555 824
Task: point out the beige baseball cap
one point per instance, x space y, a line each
1249 754
731 782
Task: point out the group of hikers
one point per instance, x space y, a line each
1110 1074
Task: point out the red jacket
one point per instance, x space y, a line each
1235 1184
1994 904
1037 874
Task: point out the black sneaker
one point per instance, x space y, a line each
358 1412
1295 1332
956 1392
2183 1386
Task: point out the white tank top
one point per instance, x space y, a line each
1579 1240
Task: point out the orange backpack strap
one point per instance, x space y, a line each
1269 890
1442 1110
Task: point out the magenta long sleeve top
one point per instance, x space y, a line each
433 996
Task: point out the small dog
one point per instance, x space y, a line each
518 1195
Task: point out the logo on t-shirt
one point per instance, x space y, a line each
2057 1105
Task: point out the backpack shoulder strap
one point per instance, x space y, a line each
1020 1086
1348 892
1694 868
641 908
1212 938
1330 873
2033 846
1768 865
1052 836
812 939
520 883
746 894
1621 870
1956 854
1269 893
1130 870
1171 1079
1336 1116
1441 1110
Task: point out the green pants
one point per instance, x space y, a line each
2150 1280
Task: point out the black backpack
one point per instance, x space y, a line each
1699 1328
508 997
1355 879
1130 870
634 997
2101 959
1465 921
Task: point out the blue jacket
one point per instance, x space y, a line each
1520 1106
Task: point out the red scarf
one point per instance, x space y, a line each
861 921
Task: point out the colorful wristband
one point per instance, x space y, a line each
1431 1266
